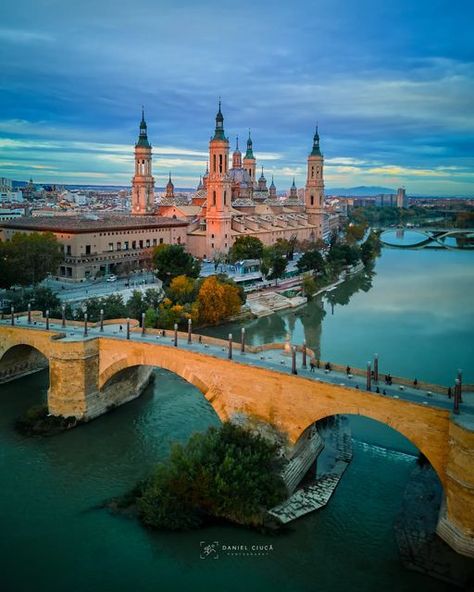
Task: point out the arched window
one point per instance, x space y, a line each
312 172
213 198
225 197
214 170
312 200
220 163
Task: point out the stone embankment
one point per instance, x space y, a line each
315 495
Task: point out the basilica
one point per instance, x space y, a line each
230 201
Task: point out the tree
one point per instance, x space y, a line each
311 261
310 287
355 232
217 301
226 473
172 260
182 289
136 305
344 254
246 247
273 263
28 258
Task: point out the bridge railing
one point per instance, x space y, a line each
205 340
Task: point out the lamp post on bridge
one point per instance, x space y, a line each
229 354
128 328
293 360
176 334
47 320
304 353
460 384
457 395
376 367
12 315
63 316
101 320
242 340
85 325
29 313
369 376
143 324
190 330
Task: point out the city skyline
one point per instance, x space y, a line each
393 106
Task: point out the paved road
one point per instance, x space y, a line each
273 359
74 292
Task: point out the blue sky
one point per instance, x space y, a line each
391 84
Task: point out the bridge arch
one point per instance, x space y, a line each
405 429
21 359
171 364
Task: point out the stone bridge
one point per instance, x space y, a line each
86 372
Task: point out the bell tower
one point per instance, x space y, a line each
250 164
218 211
143 195
314 190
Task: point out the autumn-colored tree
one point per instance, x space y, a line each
182 289
217 301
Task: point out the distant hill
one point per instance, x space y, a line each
361 191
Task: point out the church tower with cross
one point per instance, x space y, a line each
143 184
218 211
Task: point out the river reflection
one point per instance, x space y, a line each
415 308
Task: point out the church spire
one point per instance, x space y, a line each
143 136
249 153
219 131
316 149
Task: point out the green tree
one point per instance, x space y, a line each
246 247
226 473
273 263
310 286
172 260
311 261
136 305
28 258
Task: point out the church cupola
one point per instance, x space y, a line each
237 156
200 185
219 131
262 182
316 149
249 153
272 189
293 190
169 188
143 136
249 163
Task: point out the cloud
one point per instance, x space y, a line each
24 37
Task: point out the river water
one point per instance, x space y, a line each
416 310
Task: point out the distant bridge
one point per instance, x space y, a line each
433 238
96 369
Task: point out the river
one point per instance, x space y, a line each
416 310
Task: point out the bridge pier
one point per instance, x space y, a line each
456 520
74 378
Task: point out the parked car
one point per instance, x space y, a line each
112 278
